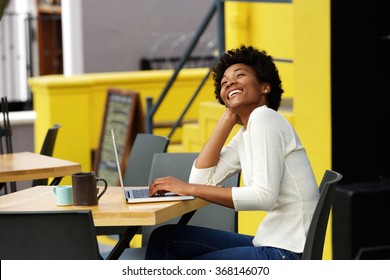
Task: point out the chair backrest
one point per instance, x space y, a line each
47 150
48 235
374 253
141 156
6 134
5 129
172 164
216 216
179 165
314 245
50 140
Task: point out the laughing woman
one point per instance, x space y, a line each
277 174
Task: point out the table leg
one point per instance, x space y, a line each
186 218
123 243
56 181
13 186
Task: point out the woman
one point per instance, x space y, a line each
277 174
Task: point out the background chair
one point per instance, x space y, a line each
213 216
314 245
6 137
49 235
374 253
141 157
47 150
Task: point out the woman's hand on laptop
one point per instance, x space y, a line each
214 194
170 184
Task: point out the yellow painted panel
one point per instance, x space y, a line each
267 26
249 221
40 128
287 76
312 96
237 24
176 148
107 240
192 141
271 26
75 127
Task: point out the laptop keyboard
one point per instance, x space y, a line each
140 193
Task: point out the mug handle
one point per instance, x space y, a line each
105 187
54 191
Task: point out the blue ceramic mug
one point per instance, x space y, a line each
64 195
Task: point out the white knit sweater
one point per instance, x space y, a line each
277 177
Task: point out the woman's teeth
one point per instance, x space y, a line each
233 92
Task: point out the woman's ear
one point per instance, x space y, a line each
266 88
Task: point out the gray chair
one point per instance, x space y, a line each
213 216
314 245
47 150
48 235
179 165
6 134
374 253
141 157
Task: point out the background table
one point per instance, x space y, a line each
30 166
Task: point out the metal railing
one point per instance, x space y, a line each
217 7
151 108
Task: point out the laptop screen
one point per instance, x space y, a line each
117 162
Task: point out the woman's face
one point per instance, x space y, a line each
241 89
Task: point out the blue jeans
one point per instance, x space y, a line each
180 242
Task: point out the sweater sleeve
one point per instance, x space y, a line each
228 165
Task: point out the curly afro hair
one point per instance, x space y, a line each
261 63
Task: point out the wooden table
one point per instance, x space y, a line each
30 166
111 211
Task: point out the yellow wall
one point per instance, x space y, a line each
312 96
312 107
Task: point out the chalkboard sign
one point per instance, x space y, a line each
124 114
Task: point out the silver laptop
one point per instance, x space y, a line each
141 194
